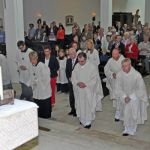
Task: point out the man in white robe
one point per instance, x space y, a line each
87 90
111 69
5 73
39 79
23 63
132 93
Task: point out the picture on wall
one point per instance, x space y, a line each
69 20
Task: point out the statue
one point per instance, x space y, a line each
136 17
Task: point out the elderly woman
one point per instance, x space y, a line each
131 50
126 39
39 81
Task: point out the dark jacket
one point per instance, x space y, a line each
120 30
53 65
69 68
121 48
55 29
140 38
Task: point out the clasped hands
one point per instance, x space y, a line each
114 75
81 84
127 99
23 67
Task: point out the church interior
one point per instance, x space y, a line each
56 26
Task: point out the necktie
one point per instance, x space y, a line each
73 63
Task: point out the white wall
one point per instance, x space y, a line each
2 11
147 11
58 9
130 6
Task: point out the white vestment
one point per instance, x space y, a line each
39 80
86 98
95 60
93 57
5 70
135 112
112 66
62 79
105 43
22 58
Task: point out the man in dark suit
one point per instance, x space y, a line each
70 64
119 45
140 35
119 28
69 38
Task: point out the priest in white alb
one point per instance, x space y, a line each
23 64
87 90
111 69
132 93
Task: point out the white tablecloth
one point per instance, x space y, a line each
18 124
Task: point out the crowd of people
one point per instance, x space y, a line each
133 40
72 63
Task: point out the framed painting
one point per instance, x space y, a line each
69 20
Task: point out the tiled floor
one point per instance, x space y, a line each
105 134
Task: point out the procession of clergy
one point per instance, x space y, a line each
80 71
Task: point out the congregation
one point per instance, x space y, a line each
86 63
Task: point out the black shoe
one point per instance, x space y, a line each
125 134
71 113
74 115
146 73
88 126
117 120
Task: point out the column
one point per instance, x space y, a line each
147 14
14 29
106 13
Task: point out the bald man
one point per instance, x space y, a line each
70 64
132 94
111 69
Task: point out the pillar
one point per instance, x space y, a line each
106 13
147 14
14 30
